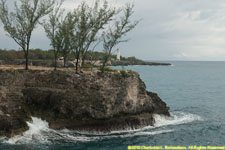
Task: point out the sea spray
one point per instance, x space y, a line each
175 119
36 126
39 131
35 132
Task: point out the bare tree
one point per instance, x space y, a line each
113 36
52 27
20 24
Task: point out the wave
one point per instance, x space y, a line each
36 129
39 131
176 118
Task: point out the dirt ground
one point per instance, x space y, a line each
30 67
19 67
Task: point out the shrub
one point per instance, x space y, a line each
106 69
124 73
86 66
132 72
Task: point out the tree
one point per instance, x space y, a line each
52 27
89 22
64 37
20 24
99 18
117 32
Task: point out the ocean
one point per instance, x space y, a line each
195 93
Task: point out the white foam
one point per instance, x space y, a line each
133 134
33 134
39 131
153 132
176 118
36 126
2 139
68 135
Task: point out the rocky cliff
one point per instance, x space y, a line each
91 101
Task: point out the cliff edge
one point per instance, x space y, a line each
92 101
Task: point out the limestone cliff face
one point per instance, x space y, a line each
90 101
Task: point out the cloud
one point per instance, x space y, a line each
170 29
72 4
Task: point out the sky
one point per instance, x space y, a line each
192 30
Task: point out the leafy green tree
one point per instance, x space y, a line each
20 24
100 16
113 36
64 36
89 22
52 27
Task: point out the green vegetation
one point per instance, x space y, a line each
73 36
132 72
132 59
86 66
124 73
114 35
106 69
35 54
52 27
38 54
20 23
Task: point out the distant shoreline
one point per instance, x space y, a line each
143 63
50 63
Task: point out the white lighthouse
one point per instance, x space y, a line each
118 54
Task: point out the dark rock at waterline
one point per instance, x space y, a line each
91 101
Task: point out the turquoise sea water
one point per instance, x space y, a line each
195 93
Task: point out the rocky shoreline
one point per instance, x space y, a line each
91 101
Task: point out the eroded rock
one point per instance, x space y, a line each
90 101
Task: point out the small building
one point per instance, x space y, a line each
118 54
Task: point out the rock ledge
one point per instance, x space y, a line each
91 101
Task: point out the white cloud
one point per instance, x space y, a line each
72 4
170 29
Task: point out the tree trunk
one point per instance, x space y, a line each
77 63
27 51
26 57
55 62
64 65
104 63
103 67
106 60
83 61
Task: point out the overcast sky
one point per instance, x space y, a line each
169 30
